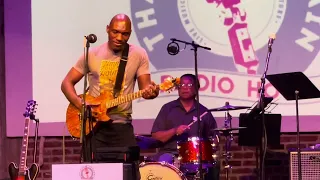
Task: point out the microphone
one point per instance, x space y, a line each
272 37
173 48
92 38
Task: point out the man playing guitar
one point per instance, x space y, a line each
103 63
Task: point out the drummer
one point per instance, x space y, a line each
171 124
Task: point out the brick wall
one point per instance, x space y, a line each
243 161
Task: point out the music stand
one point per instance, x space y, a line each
294 86
252 134
257 109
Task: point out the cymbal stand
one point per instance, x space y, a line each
229 138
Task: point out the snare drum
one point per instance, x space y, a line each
189 152
160 170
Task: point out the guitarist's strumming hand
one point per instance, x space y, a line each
151 92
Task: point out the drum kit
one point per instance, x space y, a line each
186 160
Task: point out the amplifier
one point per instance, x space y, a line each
310 165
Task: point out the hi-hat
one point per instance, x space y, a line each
229 107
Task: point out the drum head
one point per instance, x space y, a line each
159 170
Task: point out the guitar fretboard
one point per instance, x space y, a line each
24 148
124 99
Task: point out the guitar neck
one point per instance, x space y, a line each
124 99
24 147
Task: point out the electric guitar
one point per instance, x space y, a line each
21 172
102 103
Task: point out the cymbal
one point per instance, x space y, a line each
229 107
145 142
229 129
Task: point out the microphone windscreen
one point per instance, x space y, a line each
173 48
92 38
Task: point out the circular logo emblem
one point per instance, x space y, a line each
209 22
237 31
87 172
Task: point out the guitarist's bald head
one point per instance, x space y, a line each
123 18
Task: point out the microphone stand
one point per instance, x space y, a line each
36 130
84 115
263 145
35 139
195 49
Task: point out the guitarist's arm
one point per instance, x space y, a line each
67 87
144 78
151 91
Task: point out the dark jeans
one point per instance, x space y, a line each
115 135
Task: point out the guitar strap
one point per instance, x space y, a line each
121 70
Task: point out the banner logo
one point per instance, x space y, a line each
237 31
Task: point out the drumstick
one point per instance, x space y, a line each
195 120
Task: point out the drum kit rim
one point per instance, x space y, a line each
226 131
151 175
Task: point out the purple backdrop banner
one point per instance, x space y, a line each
42 44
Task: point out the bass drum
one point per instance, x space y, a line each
160 170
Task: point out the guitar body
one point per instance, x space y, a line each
102 103
99 112
31 173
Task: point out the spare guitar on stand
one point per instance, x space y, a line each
21 172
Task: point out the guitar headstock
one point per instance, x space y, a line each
169 84
30 109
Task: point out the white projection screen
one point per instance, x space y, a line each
45 38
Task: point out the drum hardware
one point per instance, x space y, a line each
176 161
229 107
227 132
229 139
